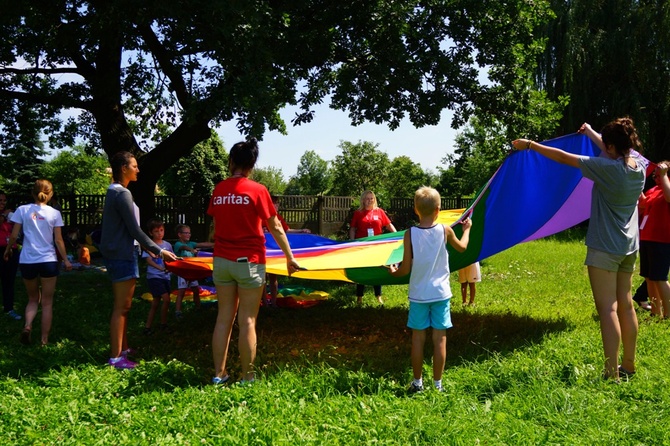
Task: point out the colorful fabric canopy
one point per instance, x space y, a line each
528 197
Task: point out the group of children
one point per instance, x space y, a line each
425 257
158 277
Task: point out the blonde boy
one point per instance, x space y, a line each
425 256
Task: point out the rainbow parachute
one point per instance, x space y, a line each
529 197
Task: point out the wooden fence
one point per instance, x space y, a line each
320 214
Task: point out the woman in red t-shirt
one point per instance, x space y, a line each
655 240
8 267
369 220
238 207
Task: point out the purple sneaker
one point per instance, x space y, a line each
122 363
130 352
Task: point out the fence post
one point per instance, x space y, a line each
319 207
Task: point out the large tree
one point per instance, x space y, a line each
313 177
612 59
153 77
358 168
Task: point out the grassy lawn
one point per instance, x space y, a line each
524 366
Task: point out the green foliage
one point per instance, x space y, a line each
152 77
405 177
485 142
198 172
358 168
270 177
312 178
611 59
523 367
75 172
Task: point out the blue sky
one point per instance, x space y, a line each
426 146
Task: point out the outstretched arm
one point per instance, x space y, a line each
461 244
558 155
406 265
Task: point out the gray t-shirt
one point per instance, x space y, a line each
120 228
613 227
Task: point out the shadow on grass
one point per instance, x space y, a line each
335 333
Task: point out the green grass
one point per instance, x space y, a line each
523 367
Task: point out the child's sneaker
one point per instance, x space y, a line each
129 352
178 315
218 381
413 388
14 315
147 331
122 363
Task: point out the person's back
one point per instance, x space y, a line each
429 281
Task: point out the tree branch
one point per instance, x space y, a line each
172 72
36 70
56 100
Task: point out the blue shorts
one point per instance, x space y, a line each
430 314
654 260
158 287
618 263
242 274
30 271
122 270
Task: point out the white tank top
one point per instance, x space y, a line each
429 280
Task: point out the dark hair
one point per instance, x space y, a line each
243 155
154 223
621 133
118 161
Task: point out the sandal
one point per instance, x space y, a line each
25 336
645 305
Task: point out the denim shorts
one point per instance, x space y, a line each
158 287
244 274
122 270
618 263
429 314
30 271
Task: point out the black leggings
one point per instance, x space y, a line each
360 289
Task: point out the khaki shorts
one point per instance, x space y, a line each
242 274
618 263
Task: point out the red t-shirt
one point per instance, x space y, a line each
655 223
375 219
238 206
281 220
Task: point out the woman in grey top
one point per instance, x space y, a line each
612 238
120 229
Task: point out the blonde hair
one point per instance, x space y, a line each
426 201
43 190
362 205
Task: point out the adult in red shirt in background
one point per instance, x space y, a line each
271 279
238 207
8 267
654 206
369 220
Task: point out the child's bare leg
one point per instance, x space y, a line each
473 292
627 320
165 308
180 298
663 294
439 353
418 341
464 292
654 298
152 311
196 297
274 289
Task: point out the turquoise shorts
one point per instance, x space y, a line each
242 274
430 314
